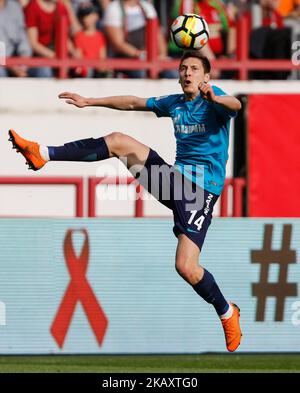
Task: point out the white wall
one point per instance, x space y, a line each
31 107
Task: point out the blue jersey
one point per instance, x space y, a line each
202 135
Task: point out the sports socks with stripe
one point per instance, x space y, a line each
82 150
208 289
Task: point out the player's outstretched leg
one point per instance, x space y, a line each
115 144
203 282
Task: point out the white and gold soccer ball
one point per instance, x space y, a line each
190 31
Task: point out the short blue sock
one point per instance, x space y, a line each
208 289
83 150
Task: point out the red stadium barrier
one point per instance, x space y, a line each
76 181
237 184
61 40
273 155
94 181
241 63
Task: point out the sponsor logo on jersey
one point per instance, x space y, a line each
189 129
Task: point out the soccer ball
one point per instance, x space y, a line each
190 31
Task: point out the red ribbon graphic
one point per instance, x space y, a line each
79 290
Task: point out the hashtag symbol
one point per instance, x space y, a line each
281 289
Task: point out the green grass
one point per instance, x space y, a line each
147 364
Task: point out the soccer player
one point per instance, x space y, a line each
201 117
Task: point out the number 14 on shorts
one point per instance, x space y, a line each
198 222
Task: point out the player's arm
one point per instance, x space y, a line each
229 102
122 103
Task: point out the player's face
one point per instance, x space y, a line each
191 76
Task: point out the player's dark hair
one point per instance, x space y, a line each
204 60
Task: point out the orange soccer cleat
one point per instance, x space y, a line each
232 329
29 150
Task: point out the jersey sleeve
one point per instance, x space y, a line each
159 105
224 113
113 15
149 9
30 15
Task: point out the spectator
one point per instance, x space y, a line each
264 14
270 16
90 42
73 6
290 11
125 24
41 17
74 22
289 8
13 36
270 40
100 6
236 8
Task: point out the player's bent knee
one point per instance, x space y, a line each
115 141
185 269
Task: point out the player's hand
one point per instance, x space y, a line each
207 92
74 99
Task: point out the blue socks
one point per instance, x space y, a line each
208 289
83 150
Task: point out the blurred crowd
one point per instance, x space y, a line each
117 28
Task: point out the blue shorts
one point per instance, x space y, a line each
192 206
